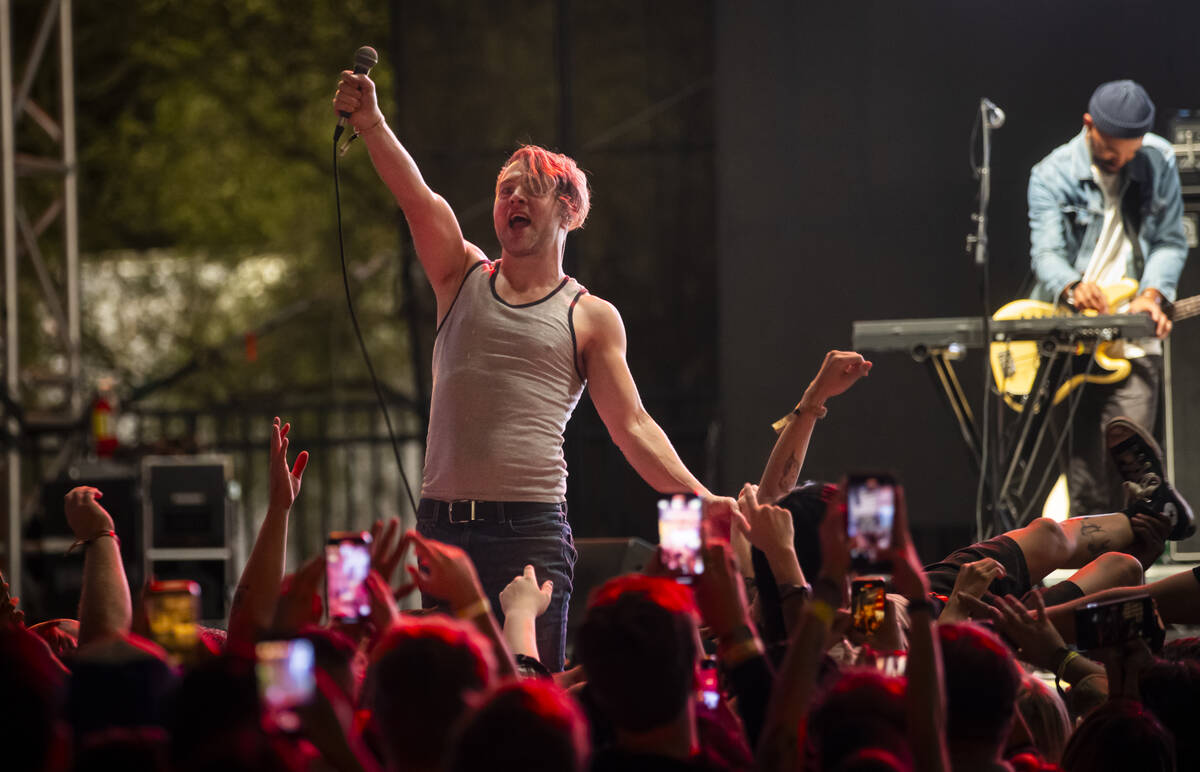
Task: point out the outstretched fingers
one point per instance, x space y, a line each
301 463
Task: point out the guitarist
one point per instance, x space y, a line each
1105 206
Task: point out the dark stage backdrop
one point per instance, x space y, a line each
844 192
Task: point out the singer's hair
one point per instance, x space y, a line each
548 171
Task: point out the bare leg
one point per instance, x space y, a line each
1112 569
1177 597
1074 543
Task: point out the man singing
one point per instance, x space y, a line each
1105 206
517 340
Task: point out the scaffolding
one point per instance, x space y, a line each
28 242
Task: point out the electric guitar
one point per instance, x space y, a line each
1015 362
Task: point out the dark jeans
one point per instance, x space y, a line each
1092 478
501 551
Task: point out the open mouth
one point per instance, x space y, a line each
518 221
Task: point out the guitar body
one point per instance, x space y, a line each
1015 363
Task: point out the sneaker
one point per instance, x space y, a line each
1140 463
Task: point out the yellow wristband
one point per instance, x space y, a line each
819 411
476 609
821 610
1062 668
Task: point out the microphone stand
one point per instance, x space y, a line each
990 118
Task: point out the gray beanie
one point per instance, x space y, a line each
1122 109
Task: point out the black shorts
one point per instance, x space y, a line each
1015 582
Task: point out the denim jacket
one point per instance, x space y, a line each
1066 214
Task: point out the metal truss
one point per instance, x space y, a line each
34 241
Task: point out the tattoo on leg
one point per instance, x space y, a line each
1093 538
791 470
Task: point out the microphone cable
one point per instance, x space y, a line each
337 196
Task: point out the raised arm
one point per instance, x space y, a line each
258 589
104 605
522 602
839 371
436 234
445 572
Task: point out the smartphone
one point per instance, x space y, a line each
679 520
347 563
868 603
1113 623
708 688
285 681
173 611
870 513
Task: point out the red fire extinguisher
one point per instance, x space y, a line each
104 426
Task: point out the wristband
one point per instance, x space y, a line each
1062 666
372 127
477 609
789 591
88 541
821 610
819 411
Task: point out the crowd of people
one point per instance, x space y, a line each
772 655
974 665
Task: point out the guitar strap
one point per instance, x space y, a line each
1135 201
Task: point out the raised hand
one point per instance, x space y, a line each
11 614
285 482
84 513
720 593
384 612
771 527
387 548
356 96
523 596
1036 638
445 572
720 516
839 371
973 580
300 598
908 576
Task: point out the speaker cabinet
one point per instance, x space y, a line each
187 525
1183 391
53 579
601 560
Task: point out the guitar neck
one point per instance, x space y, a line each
1188 307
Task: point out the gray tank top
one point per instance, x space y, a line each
504 384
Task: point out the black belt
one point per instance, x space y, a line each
471 511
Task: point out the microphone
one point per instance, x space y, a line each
994 115
364 59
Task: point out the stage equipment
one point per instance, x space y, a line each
1058 339
1181 372
186 525
54 577
601 560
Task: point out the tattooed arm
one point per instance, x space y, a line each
838 372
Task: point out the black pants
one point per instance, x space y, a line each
1092 478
